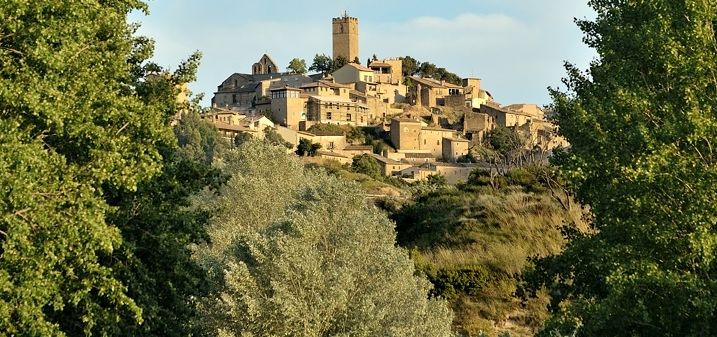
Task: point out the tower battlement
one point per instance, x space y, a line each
345 37
345 19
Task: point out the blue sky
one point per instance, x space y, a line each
517 47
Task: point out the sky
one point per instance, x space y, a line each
516 47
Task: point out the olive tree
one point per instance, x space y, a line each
296 252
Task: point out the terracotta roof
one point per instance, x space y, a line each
225 126
325 83
331 154
437 129
379 64
358 66
405 120
386 160
419 155
285 87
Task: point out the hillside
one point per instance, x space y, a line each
474 241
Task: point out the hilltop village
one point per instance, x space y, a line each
429 126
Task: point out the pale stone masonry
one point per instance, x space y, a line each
345 37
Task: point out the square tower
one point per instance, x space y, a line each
345 37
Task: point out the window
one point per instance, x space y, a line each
234 99
348 117
328 115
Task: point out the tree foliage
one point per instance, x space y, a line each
274 138
85 133
322 64
410 66
297 66
641 123
339 62
367 165
307 148
297 252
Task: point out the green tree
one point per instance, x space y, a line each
339 62
241 137
436 179
198 138
427 69
309 258
274 138
322 64
79 117
307 148
297 66
367 165
410 66
641 124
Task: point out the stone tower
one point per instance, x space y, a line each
345 37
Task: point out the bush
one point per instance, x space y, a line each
367 165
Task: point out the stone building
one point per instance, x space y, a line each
454 148
512 115
405 133
244 92
265 66
408 135
431 93
288 106
388 76
476 125
474 95
345 37
353 73
335 110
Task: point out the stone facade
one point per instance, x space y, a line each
431 140
265 66
432 93
345 37
335 110
454 148
405 133
288 106
353 73
477 124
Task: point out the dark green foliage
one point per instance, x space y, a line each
505 141
325 129
451 282
307 148
367 165
437 180
274 138
339 62
410 66
322 64
154 260
198 138
241 138
641 123
78 115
